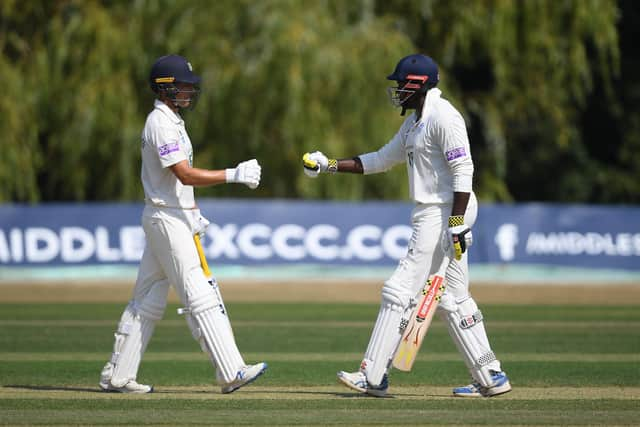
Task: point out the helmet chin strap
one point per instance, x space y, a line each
404 104
419 93
176 103
171 95
170 102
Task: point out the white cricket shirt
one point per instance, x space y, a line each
164 143
435 149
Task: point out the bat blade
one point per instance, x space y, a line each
420 320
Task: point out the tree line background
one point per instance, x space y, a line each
550 91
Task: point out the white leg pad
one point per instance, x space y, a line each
464 322
386 335
134 332
210 326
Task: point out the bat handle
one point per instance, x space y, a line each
203 259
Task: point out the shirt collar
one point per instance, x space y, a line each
174 117
433 95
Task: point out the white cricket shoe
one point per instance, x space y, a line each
245 376
358 381
131 387
501 385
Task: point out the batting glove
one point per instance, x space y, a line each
316 163
459 236
247 173
199 223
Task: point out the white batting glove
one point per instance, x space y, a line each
316 163
247 173
458 237
199 223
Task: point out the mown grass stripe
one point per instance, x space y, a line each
312 393
309 416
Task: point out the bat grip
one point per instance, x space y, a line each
203 259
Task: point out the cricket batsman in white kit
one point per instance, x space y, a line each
173 254
433 144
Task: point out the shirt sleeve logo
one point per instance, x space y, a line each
169 148
455 153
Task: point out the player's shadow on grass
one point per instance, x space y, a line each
256 392
52 388
346 394
355 395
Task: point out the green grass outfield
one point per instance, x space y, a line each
569 365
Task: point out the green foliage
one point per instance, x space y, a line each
285 77
522 72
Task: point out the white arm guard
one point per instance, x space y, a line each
385 158
462 176
372 163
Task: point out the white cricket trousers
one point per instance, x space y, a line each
171 257
170 254
457 307
424 256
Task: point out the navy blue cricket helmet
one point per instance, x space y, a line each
415 73
417 65
169 70
172 69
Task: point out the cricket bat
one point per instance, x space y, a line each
420 319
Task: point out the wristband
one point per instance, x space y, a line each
333 166
456 220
